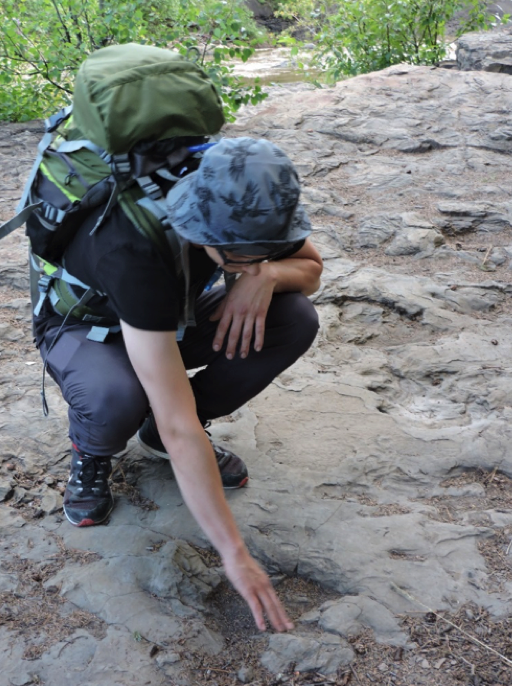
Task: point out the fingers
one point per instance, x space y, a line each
234 335
242 313
257 612
275 611
241 330
259 333
246 336
266 603
255 587
222 329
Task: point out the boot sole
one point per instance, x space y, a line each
89 522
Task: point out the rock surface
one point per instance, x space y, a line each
486 51
370 459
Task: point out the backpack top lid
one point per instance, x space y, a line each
128 93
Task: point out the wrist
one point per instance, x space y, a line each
269 271
235 550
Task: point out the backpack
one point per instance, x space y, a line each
138 113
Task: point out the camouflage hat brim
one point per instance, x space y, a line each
246 191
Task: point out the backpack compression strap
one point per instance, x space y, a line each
56 284
23 211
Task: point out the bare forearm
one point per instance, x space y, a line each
157 361
294 275
198 477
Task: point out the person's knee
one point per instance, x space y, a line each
298 314
109 418
309 322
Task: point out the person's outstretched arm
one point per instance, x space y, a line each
156 358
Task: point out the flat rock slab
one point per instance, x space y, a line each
376 461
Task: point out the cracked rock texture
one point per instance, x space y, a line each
354 453
486 51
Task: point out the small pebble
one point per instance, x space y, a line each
245 674
383 667
425 664
440 663
10 467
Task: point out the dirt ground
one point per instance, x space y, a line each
451 649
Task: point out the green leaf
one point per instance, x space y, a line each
33 32
246 53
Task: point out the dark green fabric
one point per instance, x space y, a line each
124 95
74 173
128 93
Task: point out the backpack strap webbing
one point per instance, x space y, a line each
23 211
19 219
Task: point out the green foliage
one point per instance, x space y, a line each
222 31
43 42
299 10
367 35
357 36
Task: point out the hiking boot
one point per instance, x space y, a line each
88 499
233 471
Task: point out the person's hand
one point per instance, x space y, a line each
243 312
255 587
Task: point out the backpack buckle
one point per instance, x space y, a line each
52 214
121 167
44 283
149 187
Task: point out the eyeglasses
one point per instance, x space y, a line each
253 260
248 249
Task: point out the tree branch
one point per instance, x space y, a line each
66 31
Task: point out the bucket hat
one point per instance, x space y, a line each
244 193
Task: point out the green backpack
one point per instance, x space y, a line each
139 113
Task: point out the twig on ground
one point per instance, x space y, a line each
118 468
487 255
491 476
67 643
469 664
214 669
407 595
355 674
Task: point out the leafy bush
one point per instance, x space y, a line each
43 42
356 36
299 10
222 31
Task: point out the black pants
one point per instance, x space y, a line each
107 403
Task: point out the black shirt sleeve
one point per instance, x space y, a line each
141 288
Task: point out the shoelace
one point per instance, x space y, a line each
222 456
92 468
